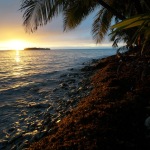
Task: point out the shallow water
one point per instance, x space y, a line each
30 82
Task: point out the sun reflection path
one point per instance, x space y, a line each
17 68
17 56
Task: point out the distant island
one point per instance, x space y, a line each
35 48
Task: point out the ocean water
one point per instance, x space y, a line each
28 79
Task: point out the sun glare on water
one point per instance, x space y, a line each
17 44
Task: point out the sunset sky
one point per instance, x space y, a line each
13 33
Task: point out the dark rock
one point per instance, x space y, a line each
62 85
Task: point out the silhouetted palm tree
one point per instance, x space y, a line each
40 12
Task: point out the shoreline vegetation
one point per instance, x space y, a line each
115 115
36 48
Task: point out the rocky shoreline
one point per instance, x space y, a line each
113 115
71 87
106 108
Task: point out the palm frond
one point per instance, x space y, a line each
132 22
120 36
142 25
101 24
76 11
39 12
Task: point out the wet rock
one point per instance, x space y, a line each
3 143
21 120
80 88
68 112
25 144
37 111
94 61
42 134
14 147
11 129
50 108
58 121
24 128
70 81
71 69
36 137
76 74
69 75
14 137
80 83
58 108
63 75
47 120
55 89
69 102
73 91
72 87
62 85
34 89
35 105
87 68
33 125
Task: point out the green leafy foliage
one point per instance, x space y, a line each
142 25
133 22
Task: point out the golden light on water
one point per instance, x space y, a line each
17 58
17 68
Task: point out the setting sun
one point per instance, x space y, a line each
17 44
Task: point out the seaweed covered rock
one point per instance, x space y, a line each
112 116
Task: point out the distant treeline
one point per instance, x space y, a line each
35 48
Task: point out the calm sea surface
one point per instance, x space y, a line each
28 77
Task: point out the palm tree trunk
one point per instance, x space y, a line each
112 10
